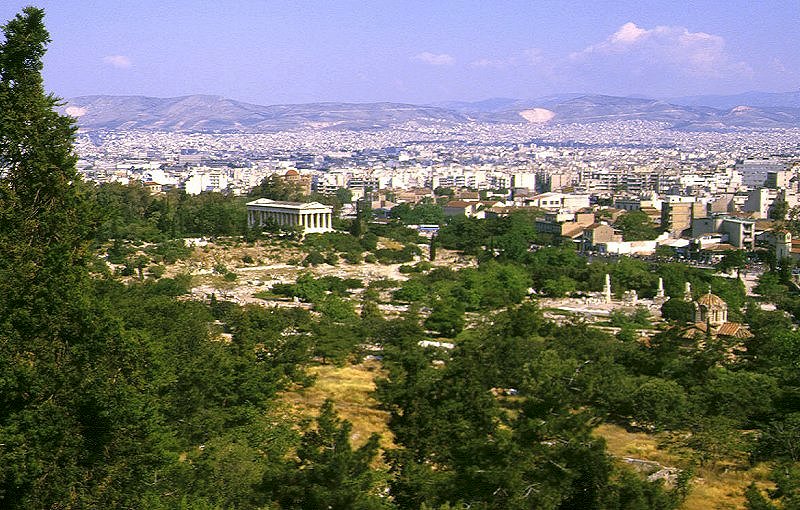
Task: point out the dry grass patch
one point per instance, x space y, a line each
390 244
350 388
622 443
710 489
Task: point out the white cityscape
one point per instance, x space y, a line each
707 182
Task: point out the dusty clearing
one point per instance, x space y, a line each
279 263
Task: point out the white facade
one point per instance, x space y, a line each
200 181
311 217
524 180
555 201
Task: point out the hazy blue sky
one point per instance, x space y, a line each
270 52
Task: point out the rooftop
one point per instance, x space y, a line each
287 205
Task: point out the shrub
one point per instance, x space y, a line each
314 258
369 241
156 271
118 252
353 257
170 251
332 258
283 289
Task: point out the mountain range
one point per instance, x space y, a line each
203 113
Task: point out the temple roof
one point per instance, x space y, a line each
289 205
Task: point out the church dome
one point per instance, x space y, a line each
712 301
291 173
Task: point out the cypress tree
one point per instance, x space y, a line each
71 427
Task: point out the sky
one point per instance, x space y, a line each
277 52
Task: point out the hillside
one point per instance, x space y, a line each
218 114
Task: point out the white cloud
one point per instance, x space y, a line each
498 63
533 56
434 59
665 48
118 61
628 33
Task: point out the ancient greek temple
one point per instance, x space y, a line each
311 217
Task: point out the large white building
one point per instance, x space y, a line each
554 201
311 217
205 179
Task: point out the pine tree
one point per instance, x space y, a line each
329 472
71 423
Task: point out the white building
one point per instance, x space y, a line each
524 180
555 201
203 179
311 217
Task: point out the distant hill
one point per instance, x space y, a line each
218 114
597 108
753 99
214 113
